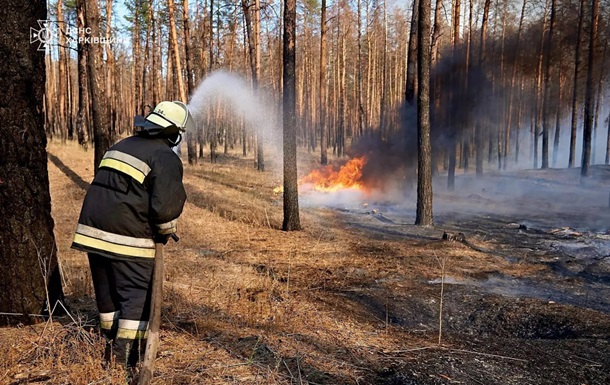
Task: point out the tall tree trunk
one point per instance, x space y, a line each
176 51
598 99
253 32
110 70
191 137
546 109
102 139
412 56
137 65
257 70
28 261
607 160
512 86
424 175
153 67
453 129
577 66
558 117
291 191
322 76
478 128
83 87
539 86
589 90
360 107
384 76
342 90
62 86
435 56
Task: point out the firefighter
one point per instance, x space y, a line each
133 202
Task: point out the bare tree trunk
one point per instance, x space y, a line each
322 76
97 91
452 140
153 67
384 80
539 87
424 176
257 69
29 256
436 96
253 32
62 86
342 93
110 69
176 49
81 126
291 192
512 86
547 91
598 99
558 117
478 128
577 65
586 142
137 67
412 56
191 137
607 160
359 72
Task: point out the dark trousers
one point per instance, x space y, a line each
122 292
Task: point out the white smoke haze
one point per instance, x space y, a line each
598 146
231 90
547 198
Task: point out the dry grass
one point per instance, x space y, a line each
244 303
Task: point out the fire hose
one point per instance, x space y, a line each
154 323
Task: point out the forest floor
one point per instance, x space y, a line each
522 284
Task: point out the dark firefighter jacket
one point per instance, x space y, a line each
136 194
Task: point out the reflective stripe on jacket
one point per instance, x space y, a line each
137 192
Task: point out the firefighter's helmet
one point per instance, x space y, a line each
168 119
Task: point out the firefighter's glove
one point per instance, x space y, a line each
165 231
162 238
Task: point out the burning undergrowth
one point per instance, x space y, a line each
377 169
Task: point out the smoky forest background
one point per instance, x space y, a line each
513 84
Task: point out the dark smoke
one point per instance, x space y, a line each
454 109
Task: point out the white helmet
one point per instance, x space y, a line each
168 119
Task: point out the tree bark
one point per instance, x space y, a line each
102 139
28 260
322 76
478 128
453 129
424 174
191 137
546 110
83 87
589 90
412 56
539 87
512 86
110 69
176 50
62 86
574 121
359 71
291 191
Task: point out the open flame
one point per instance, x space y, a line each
329 179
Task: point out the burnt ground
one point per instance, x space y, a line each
521 284
544 319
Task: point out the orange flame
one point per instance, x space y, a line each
328 179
